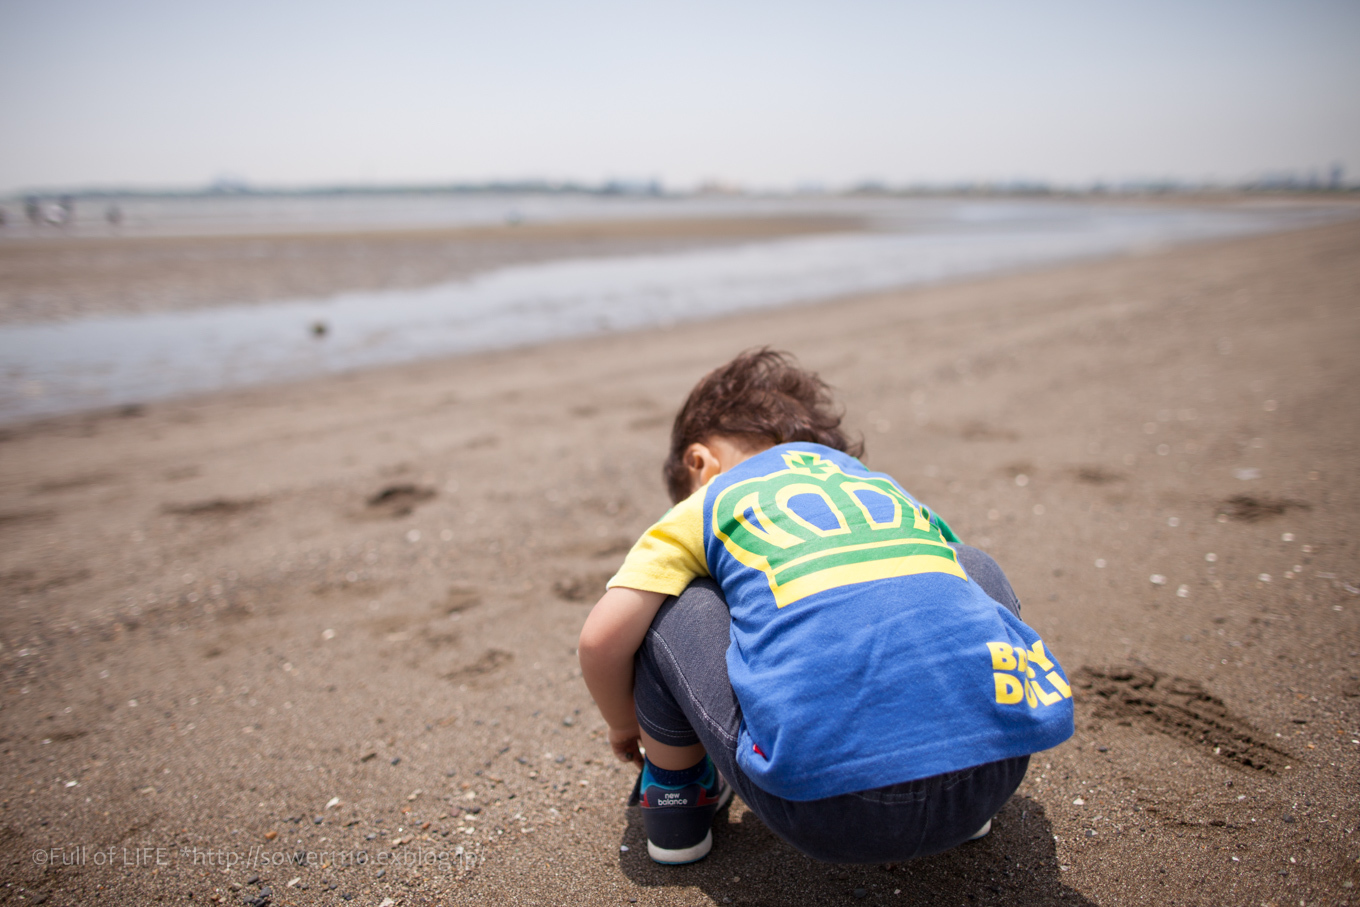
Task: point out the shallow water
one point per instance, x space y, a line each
107 361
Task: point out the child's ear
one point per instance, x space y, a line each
701 463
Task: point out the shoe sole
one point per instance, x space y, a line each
681 855
982 832
676 856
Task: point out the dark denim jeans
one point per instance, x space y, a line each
683 696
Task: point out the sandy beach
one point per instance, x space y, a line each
314 643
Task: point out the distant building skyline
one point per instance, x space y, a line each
151 94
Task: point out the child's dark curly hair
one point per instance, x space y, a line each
761 398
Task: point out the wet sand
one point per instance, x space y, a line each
54 278
337 618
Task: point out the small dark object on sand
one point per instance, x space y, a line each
320 329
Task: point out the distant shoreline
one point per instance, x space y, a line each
1270 187
41 280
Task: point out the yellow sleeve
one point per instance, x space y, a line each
671 553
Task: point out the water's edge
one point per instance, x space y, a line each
101 362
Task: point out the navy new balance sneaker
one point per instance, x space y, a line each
679 818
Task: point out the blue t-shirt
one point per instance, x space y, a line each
861 654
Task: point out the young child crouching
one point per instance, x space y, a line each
803 631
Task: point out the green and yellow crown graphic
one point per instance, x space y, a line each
878 533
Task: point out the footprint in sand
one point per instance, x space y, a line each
1248 509
1181 708
459 599
486 663
582 588
399 500
213 507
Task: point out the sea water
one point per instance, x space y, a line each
116 360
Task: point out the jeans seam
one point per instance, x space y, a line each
689 690
916 796
652 725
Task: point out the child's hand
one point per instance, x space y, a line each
624 743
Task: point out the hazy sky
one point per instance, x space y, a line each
769 94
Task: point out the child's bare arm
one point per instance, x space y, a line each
611 637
